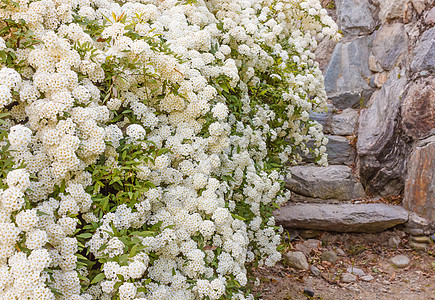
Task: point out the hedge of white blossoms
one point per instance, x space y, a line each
142 142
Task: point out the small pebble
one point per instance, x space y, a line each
303 248
355 271
296 260
347 278
421 239
418 246
315 271
309 291
400 261
329 256
433 237
367 278
414 231
313 244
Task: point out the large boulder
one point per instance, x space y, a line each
332 182
418 109
424 53
373 217
355 16
390 44
347 74
419 193
380 148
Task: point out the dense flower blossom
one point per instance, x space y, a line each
192 103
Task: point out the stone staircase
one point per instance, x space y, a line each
380 79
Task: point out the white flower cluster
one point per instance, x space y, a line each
184 81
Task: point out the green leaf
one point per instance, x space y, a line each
224 87
98 278
238 217
133 251
85 235
121 277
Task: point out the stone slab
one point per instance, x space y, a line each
372 217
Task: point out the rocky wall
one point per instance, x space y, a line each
380 80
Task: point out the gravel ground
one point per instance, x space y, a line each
370 253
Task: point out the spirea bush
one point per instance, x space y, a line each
142 142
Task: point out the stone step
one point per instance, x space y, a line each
331 182
339 151
371 217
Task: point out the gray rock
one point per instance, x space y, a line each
367 278
355 16
418 246
419 193
347 73
339 151
315 271
329 256
424 53
415 221
381 149
390 44
304 249
332 182
432 237
372 217
391 9
394 242
296 260
355 271
348 278
400 261
309 291
418 108
343 123
414 231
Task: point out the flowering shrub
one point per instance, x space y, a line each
142 142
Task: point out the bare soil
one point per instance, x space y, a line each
368 252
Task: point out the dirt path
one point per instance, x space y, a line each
370 253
